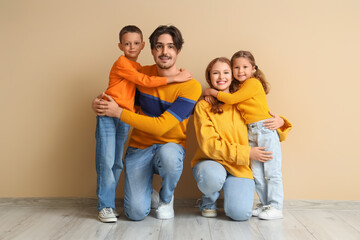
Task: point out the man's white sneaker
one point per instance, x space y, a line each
270 213
155 198
107 215
257 210
165 210
207 212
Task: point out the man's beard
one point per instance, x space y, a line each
164 66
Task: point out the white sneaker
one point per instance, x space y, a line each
207 212
155 198
165 210
257 210
270 213
107 215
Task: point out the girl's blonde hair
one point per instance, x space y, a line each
217 107
258 73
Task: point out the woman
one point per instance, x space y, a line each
222 160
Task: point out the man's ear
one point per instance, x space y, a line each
120 46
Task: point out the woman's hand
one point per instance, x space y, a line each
106 108
259 154
274 123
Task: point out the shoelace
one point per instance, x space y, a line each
108 211
266 207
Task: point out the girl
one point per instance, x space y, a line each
222 160
251 101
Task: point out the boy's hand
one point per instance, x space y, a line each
182 76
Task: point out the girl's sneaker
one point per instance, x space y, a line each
257 210
207 212
270 213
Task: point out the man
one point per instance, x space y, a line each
157 142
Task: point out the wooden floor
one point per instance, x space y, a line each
77 219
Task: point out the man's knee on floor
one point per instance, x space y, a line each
136 213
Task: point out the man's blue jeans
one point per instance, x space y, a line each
165 160
211 177
268 177
111 134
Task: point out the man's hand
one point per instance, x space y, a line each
259 154
106 108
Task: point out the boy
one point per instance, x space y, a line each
111 133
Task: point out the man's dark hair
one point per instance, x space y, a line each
172 31
131 29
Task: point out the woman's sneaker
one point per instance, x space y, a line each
207 212
270 213
257 210
107 215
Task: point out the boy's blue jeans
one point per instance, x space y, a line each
165 160
211 177
111 134
268 177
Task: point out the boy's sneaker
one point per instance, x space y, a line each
165 210
116 213
207 212
107 215
259 208
270 213
155 198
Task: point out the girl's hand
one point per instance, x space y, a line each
274 123
259 154
210 99
210 92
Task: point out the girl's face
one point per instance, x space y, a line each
220 76
242 69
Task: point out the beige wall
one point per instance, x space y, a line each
56 56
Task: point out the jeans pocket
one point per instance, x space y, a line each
265 130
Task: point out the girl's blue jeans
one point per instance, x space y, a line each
268 177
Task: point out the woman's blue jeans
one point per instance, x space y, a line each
111 134
211 177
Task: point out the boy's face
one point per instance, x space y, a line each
131 44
